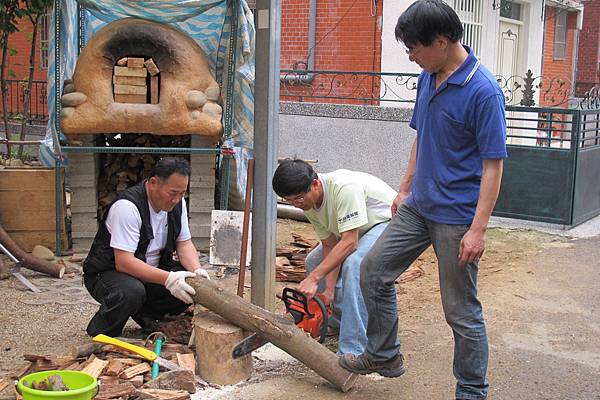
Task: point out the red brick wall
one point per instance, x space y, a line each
19 64
552 68
348 38
21 41
589 48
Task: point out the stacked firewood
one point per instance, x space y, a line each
130 78
121 374
290 261
290 265
122 170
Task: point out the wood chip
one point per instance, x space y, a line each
301 241
76 366
136 370
95 368
114 368
187 361
137 381
127 361
3 384
113 390
161 394
173 380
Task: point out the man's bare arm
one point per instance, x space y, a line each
472 244
332 259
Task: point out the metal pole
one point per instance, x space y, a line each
266 131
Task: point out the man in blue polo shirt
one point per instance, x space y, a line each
445 199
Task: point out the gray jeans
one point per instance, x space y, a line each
407 235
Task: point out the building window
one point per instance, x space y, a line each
470 13
512 10
44 40
560 34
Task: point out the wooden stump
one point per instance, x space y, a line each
215 339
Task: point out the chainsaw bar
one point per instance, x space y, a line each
248 345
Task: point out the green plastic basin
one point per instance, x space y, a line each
81 386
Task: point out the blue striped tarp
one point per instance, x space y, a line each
208 22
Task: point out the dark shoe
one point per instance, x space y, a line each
147 324
363 365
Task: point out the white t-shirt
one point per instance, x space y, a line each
351 200
124 223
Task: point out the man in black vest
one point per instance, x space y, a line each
130 269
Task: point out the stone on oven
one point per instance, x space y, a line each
212 93
72 99
213 110
195 99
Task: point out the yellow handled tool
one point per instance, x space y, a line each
147 354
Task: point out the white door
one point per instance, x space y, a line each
508 69
508 56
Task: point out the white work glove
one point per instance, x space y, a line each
178 287
202 273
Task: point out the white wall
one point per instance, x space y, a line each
393 58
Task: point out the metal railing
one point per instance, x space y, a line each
344 87
375 88
15 99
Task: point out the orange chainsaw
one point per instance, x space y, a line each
310 315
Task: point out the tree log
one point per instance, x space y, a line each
29 261
277 329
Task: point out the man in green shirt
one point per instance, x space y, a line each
348 210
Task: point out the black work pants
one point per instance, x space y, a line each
121 296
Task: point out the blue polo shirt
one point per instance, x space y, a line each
458 125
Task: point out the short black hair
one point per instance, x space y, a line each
165 167
424 20
293 176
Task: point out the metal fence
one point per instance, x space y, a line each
15 100
344 87
551 174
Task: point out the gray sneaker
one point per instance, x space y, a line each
363 365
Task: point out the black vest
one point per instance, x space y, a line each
102 257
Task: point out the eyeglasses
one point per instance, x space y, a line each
412 50
296 199
299 199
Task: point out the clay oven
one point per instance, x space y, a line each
184 91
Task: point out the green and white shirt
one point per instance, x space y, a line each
351 200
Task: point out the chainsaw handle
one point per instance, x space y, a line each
288 295
325 318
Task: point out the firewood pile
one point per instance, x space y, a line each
121 374
290 261
132 77
122 170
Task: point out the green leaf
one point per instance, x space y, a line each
12 51
12 74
